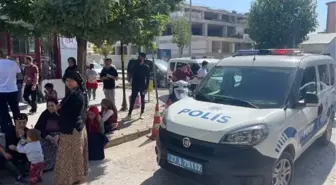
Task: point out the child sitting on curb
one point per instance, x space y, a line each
96 137
32 148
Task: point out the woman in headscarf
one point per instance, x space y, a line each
47 124
96 137
72 67
72 155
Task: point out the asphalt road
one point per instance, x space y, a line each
134 163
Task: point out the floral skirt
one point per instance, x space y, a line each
72 158
49 152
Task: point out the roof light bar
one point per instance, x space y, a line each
267 52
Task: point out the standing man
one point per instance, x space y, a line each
201 73
31 84
8 91
140 81
109 75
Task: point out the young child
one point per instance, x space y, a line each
96 137
109 115
49 92
32 148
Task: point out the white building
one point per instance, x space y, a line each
216 33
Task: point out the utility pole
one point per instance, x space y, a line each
190 24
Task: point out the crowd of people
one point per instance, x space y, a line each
69 132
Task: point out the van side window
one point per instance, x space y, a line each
172 66
194 68
332 74
308 84
324 76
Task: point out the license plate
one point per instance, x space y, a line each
185 164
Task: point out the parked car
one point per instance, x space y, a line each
161 70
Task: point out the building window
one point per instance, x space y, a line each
22 45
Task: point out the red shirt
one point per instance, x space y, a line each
182 75
31 75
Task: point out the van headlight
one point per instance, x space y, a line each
252 135
164 119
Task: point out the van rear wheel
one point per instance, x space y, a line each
326 137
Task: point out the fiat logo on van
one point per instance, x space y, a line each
186 142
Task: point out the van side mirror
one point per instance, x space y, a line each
311 100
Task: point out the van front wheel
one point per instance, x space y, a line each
283 170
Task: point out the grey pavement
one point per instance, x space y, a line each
133 163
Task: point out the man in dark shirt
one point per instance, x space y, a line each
109 75
182 73
31 74
140 81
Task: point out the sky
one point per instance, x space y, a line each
243 6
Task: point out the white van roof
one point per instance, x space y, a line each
301 61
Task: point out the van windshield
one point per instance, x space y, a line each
255 87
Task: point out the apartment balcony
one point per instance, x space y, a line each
194 15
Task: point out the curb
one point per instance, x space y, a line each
127 138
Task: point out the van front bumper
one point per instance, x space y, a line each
222 164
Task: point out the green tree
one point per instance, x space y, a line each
181 34
137 22
281 23
16 17
82 19
104 49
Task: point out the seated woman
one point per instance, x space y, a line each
109 115
47 124
18 162
96 138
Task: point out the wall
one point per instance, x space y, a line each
68 48
199 46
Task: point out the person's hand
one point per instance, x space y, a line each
21 133
56 139
12 147
48 137
33 88
7 156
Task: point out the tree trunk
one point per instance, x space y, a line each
124 102
181 51
81 55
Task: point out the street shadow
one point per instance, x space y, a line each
312 168
97 169
163 98
315 164
162 177
126 123
148 141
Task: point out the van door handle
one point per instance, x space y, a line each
320 110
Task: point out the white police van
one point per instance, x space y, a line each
267 108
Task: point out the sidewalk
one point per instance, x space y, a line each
129 130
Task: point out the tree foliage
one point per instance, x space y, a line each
16 17
82 19
104 49
181 34
281 23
